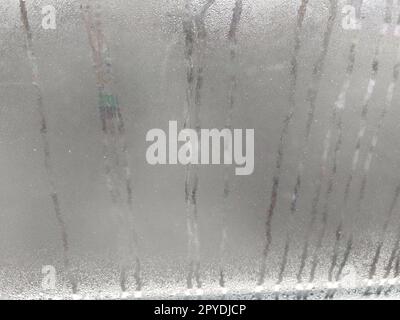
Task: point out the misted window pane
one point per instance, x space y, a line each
199 148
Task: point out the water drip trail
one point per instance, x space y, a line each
393 263
393 260
368 160
378 250
283 136
232 38
393 255
317 194
122 141
356 154
311 99
195 34
336 126
45 141
115 148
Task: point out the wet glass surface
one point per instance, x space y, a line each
84 214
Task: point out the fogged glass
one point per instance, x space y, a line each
96 204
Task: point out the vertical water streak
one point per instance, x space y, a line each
45 141
339 107
114 143
122 141
368 160
393 254
188 29
360 136
317 194
312 94
381 241
232 39
392 262
195 38
283 136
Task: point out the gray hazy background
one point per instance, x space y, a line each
147 49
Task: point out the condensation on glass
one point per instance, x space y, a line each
84 214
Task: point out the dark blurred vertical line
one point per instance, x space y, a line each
339 108
376 257
113 129
195 38
368 160
371 150
393 254
360 136
232 39
283 136
394 258
46 146
317 193
121 129
312 95
188 29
